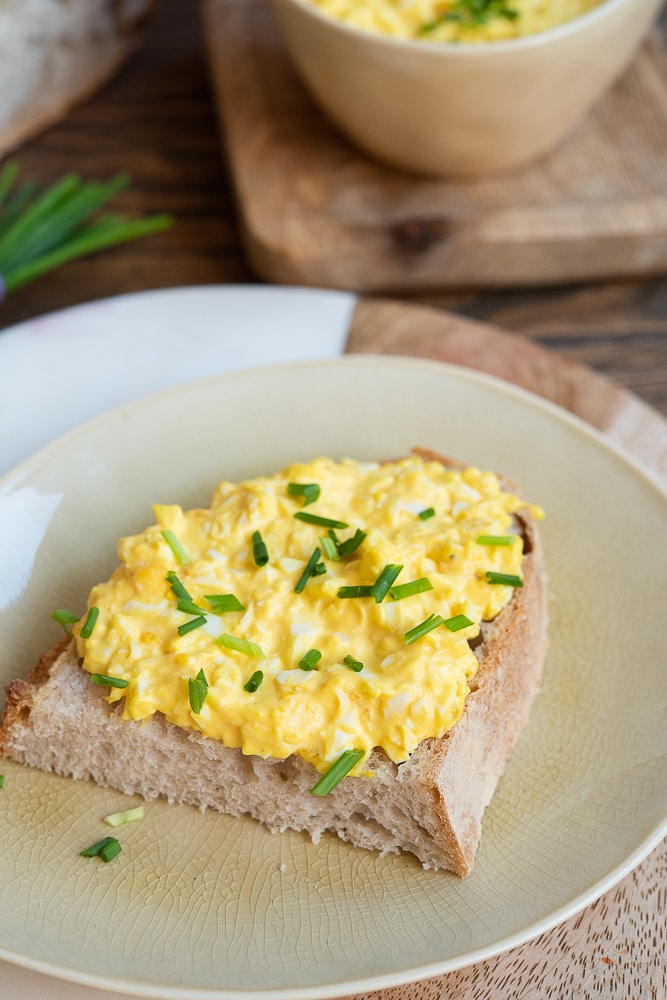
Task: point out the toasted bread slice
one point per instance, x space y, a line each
431 805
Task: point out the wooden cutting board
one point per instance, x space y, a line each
315 211
617 947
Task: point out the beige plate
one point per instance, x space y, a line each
204 906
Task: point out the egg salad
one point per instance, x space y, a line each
455 20
323 611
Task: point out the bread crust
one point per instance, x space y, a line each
431 805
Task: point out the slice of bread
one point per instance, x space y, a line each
431 805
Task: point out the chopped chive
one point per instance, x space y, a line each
353 664
224 602
351 544
509 579
495 539
433 621
309 661
310 566
260 553
65 618
325 522
106 849
355 591
126 816
197 691
426 513
382 585
330 548
89 624
240 645
254 682
337 772
172 541
419 586
177 586
2 781
309 491
192 625
318 569
114 682
458 622
188 607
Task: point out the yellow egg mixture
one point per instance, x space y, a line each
376 683
456 20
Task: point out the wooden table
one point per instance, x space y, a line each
157 121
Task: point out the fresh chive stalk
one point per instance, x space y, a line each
319 569
309 491
105 849
197 691
89 624
224 602
188 607
324 522
2 781
260 553
310 660
114 682
426 513
65 619
496 539
193 624
351 544
508 579
358 590
353 664
254 682
404 590
433 621
458 622
330 548
240 645
308 571
384 582
338 770
172 541
177 586
126 816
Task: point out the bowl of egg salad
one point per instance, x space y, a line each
461 87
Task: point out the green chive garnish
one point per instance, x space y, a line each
89 624
509 579
433 621
105 849
177 586
458 622
353 664
426 513
197 690
308 571
188 607
192 625
330 548
224 602
356 591
318 569
240 645
254 682
410 589
382 585
337 772
260 553
2 781
351 544
65 618
309 491
172 541
309 661
495 539
114 682
126 816
325 522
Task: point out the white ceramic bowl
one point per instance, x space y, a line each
437 108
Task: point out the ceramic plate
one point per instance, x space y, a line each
201 906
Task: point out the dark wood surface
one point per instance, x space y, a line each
157 120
